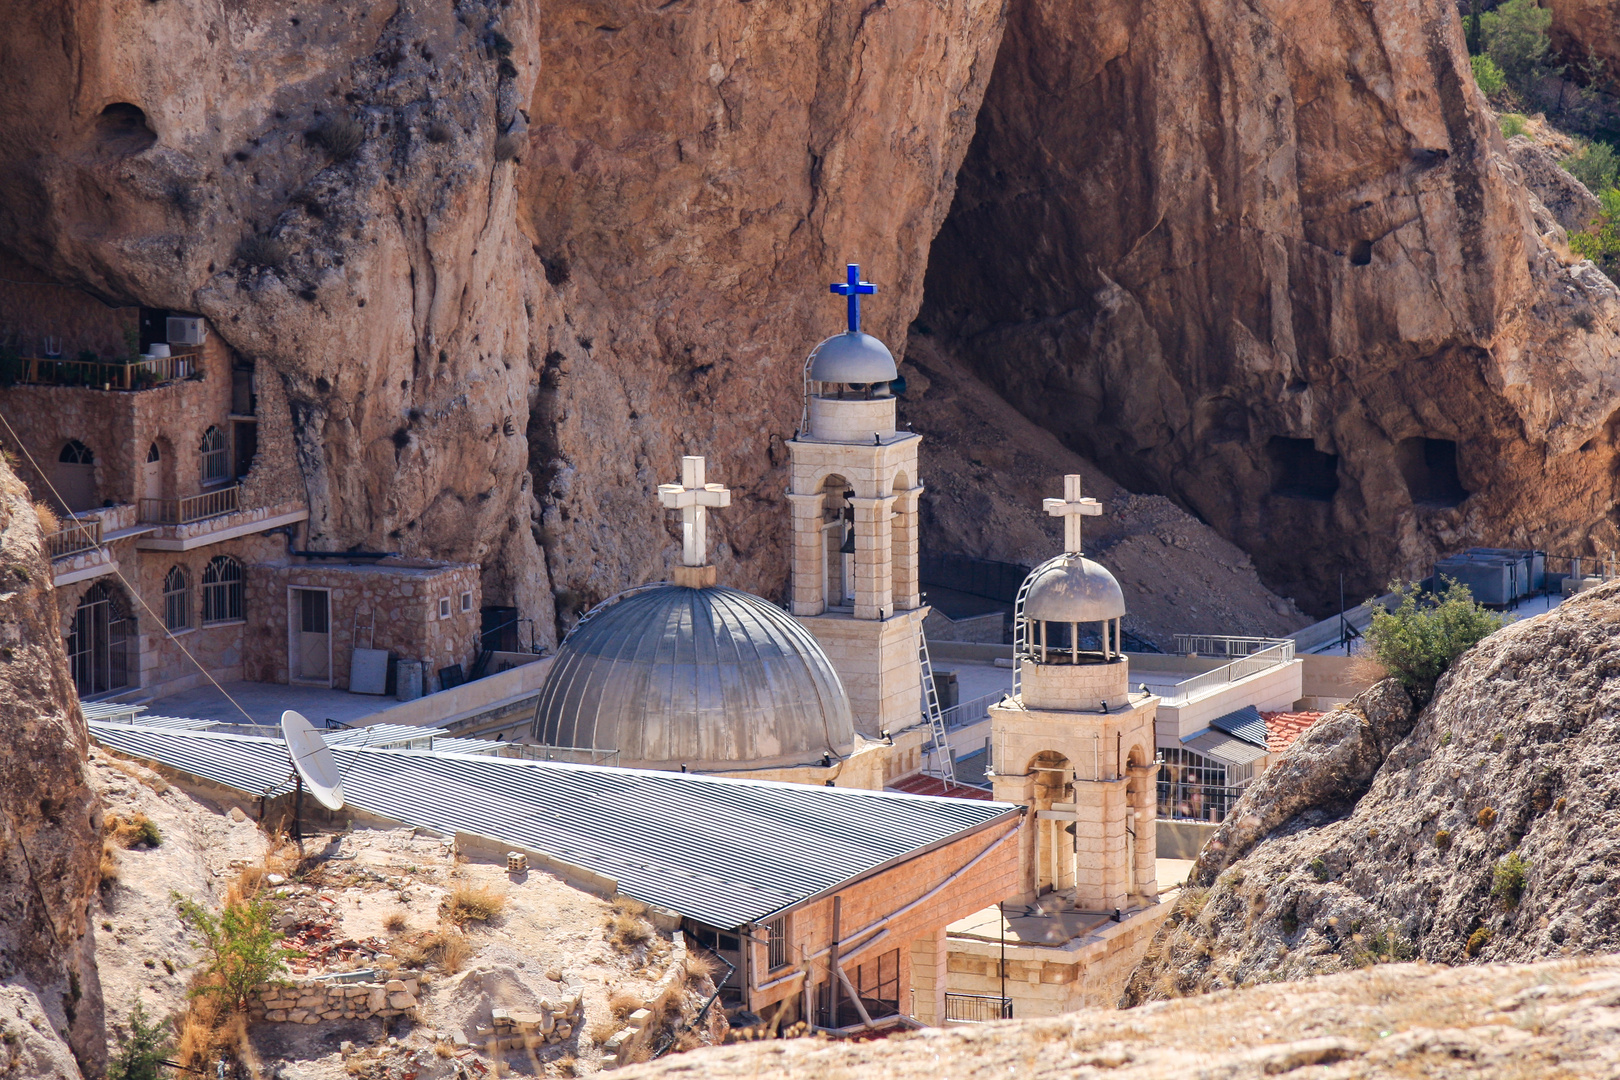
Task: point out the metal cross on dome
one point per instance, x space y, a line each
854 288
1071 508
693 497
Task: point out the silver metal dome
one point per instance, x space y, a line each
713 679
852 358
1073 589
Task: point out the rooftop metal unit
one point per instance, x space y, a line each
1495 576
724 852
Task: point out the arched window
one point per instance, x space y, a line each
152 455
76 453
98 645
222 590
177 599
216 466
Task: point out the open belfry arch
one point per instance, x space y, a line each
854 493
1073 742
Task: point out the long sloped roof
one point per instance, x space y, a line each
722 851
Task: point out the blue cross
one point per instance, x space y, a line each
854 288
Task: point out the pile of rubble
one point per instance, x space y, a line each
310 1001
550 1022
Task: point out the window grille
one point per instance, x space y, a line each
222 590
76 453
98 643
152 455
1193 786
216 466
176 599
777 929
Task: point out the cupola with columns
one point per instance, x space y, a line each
1073 742
854 493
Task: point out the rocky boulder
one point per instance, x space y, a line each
1486 833
50 822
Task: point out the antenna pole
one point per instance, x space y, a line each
298 809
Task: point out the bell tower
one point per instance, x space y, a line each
1073 742
853 494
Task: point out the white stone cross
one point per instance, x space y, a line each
1071 508
693 497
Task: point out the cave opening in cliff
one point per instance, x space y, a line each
1300 471
1429 467
122 129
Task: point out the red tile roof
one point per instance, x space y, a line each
1282 728
922 784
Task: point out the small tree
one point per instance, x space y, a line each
1594 165
1515 36
1421 638
1509 878
1487 74
143 1053
244 949
1600 241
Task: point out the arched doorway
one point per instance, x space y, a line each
100 644
1056 839
838 524
152 473
76 477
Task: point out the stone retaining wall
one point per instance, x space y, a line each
310 1001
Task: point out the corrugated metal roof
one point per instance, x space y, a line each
723 851
387 736
1245 723
146 719
1223 747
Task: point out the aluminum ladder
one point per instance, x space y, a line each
940 746
1021 642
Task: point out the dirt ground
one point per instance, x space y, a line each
356 898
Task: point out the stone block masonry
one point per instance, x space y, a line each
311 1001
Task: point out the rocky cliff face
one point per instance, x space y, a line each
1585 28
1380 833
515 260
50 823
1274 260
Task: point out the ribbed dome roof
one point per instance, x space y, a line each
1072 588
713 679
852 358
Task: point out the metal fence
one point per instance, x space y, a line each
970 712
1181 800
209 504
977 1008
72 538
1223 645
1282 652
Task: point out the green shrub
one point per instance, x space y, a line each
1487 74
243 951
1510 875
1477 941
1511 124
143 1053
1386 946
1319 869
1442 839
1595 165
1515 38
1420 639
1600 241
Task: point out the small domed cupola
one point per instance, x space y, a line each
1066 630
847 395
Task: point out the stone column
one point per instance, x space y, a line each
929 976
907 586
874 569
1144 815
809 554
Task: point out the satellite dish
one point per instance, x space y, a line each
313 760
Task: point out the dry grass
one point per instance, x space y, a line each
249 882
396 923
109 866
603 1030
449 951
627 925
48 521
1364 670
468 902
132 830
624 1002
206 1029
700 964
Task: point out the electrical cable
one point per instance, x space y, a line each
46 480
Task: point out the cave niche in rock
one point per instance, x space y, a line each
1429 467
122 129
1300 471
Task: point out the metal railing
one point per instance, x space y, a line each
1180 800
209 504
977 1008
109 374
1280 653
1222 645
970 712
73 538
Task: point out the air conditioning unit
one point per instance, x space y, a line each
186 331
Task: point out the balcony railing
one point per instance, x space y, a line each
73 538
108 374
977 1008
1280 652
196 508
1223 645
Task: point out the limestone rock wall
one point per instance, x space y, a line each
50 822
1582 28
1251 256
1379 834
514 260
